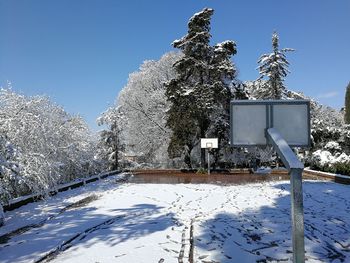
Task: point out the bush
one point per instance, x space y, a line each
325 161
336 168
342 168
202 171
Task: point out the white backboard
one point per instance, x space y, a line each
209 143
250 119
252 123
292 123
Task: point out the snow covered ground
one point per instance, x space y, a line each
109 221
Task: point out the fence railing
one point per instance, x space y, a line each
23 200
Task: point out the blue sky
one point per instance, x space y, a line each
80 53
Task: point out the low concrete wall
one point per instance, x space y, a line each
342 179
18 202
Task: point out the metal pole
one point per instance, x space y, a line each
208 162
295 168
297 215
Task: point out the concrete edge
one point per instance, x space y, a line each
337 178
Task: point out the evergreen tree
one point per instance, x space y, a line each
200 94
188 116
347 105
274 66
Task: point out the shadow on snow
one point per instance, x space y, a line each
264 235
82 226
251 235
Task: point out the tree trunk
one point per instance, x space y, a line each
115 146
203 162
347 105
216 156
187 158
116 166
2 216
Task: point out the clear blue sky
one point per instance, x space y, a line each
81 52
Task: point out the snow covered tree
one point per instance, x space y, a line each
347 104
9 169
259 89
40 146
189 93
141 108
274 66
110 144
201 91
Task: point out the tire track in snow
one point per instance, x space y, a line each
8 236
83 234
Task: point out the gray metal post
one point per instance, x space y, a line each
297 214
208 162
295 168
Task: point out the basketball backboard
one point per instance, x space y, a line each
210 143
251 118
282 124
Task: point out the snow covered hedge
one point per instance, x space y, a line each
331 140
326 161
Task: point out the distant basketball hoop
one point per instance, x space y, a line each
209 143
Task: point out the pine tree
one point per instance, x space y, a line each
274 66
200 94
347 105
188 116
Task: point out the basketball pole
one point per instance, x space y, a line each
295 169
208 161
287 124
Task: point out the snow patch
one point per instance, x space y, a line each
153 222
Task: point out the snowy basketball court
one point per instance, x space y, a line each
107 221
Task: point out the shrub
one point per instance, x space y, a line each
202 171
